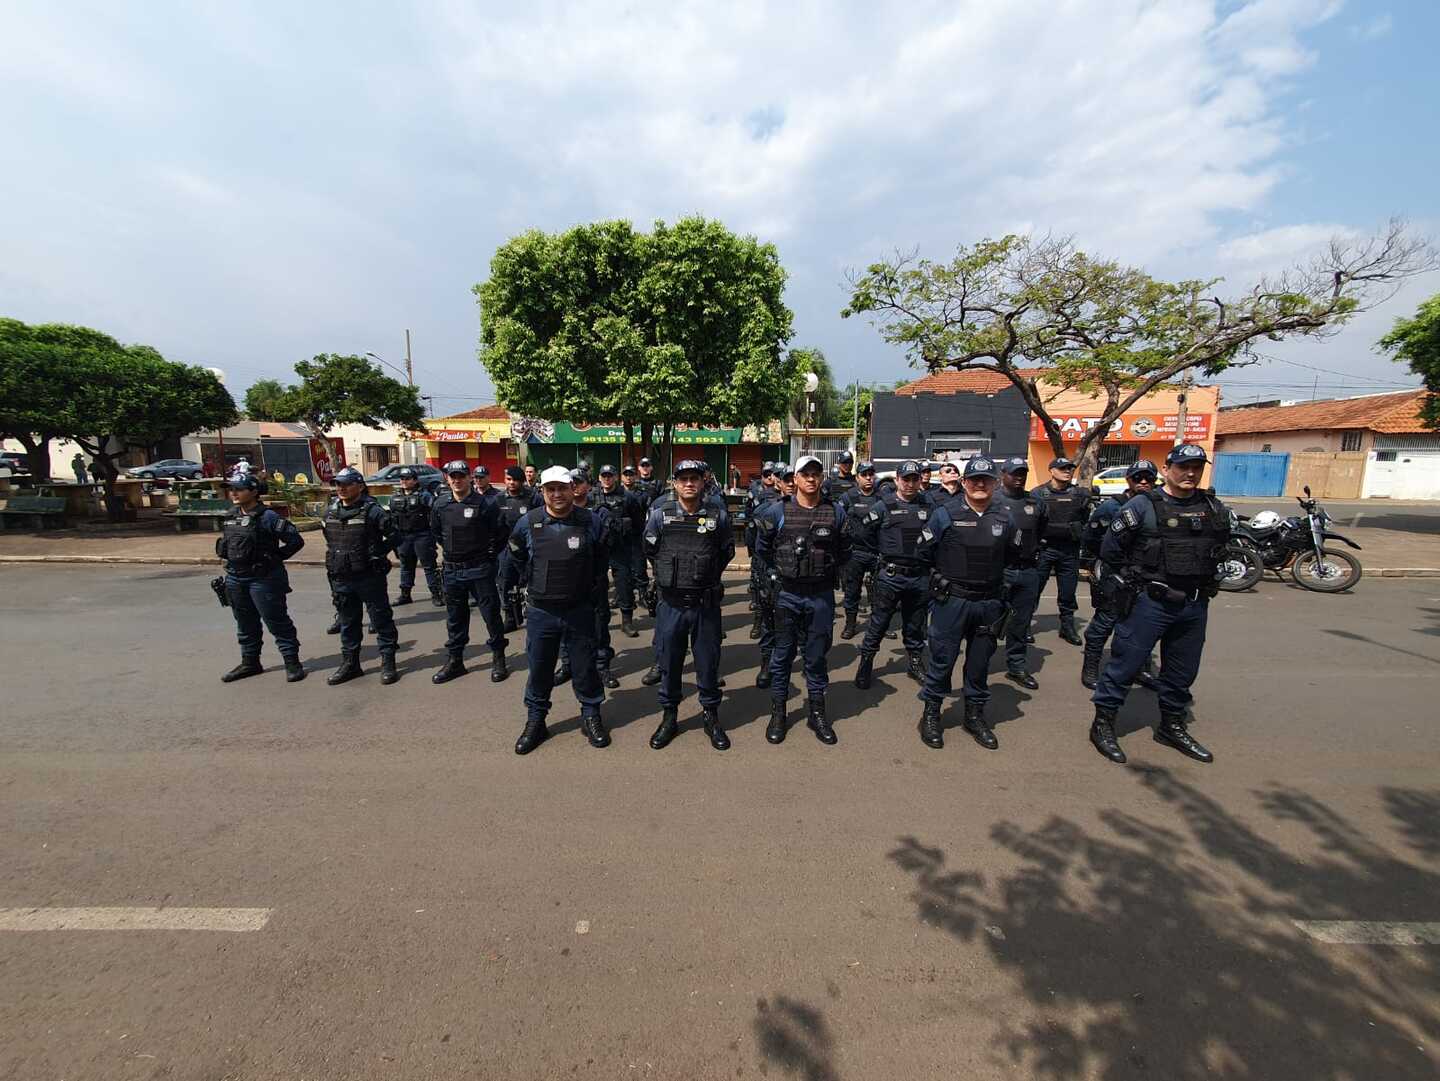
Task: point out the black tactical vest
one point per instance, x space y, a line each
807 545
904 522
688 552
1186 546
466 533
614 504
410 511
513 508
562 558
347 539
857 509
839 485
971 553
1066 514
1025 510
244 545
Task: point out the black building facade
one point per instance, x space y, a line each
949 426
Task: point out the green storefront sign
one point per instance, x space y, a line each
560 431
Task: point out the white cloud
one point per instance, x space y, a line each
1282 246
1375 29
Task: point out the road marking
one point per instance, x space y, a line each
133 919
1371 932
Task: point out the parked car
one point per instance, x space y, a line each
429 477
1111 481
13 463
169 467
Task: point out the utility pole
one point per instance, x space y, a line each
855 422
409 367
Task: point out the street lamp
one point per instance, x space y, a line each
409 378
812 384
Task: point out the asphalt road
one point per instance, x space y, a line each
440 908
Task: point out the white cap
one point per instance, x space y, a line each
808 459
556 474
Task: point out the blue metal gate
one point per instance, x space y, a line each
1261 475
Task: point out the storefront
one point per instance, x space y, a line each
562 443
1146 431
478 437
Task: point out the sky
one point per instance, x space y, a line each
246 185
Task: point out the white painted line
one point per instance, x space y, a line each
1371 932
133 919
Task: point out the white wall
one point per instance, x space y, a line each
1412 474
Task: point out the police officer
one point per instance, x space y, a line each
949 487
1140 478
650 488
514 501
761 492
763 581
358 535
1164 549
583 498
469 526
968 544
639 568
893 529
254 542
410 514
530 475
802 545
864 557
564 547
842 478
1067 507
691 546
1022 578
627 521
927 471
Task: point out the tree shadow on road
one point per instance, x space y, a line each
795 1037
1169 951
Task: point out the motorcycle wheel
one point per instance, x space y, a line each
1240 569
1338 572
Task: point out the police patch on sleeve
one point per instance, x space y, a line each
1126 519
926 535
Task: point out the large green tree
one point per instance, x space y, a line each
1112 330
604 323
336 389
1416 342
115 397
260 399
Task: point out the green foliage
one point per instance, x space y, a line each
341 389
1416 342
603 323
260 399
861 417
826 398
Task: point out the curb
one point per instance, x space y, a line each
211 561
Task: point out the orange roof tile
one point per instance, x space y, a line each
964 381
485 412
1395 413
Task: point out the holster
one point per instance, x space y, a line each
998 628
1165 594
218 585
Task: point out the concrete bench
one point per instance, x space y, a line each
34 511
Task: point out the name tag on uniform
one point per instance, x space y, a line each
966 525
574 542
1029 509
469 512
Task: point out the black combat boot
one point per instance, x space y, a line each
850 630
1022 677
669 728
248 666
710 718
294 670
349 669
388 674
775 730
755 630
1068 633
607 677
866 672
334 627
1090 668
931 731
594 729
627 625
763 677
818 723
535 733
562 674
1173 733
1102 735
438 600
915 667
404 597
976 726
499 669
454 668
651 677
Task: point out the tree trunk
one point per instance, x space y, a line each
103 464
666 449
647 438
38 452
627 454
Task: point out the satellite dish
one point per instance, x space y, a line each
218 373
812 382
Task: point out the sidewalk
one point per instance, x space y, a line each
1387 552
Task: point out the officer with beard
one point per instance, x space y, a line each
468 523
968 544
564 547
255 542
690 545
1140 478
358 536
864 557
893 528
410 513
842 478
1163 551
1022 577
1067 508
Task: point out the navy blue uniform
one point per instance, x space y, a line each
358 538
410 516
864 558
1172 548
255 547
761 495
802 550
512 509
627 511
968 554
567 558
892 529
1102 623
690 553
471 533
1066 512
1022 578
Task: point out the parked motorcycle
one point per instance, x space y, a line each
1297 544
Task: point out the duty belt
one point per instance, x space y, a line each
905 570
690 598
466 564
972 593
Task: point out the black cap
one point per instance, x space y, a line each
349 475
244 480
1186 454
864 467
1061 463
646 461
580 476
482 470
627 470
767 468
1137 468
980 467
846 457
514 472
458 467
785 469
1015 465
912 468
406 473
607 470
689 465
